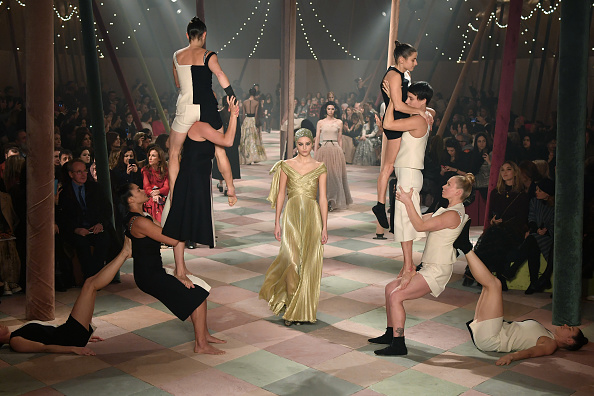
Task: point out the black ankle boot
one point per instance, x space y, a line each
385 338
379 210
397 348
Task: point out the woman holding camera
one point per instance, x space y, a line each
126 170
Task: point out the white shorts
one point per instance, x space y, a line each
407 178
185 117
437 276
486 334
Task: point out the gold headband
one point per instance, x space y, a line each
303 132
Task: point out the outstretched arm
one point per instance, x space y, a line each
20 344
205 131
143 227
544 347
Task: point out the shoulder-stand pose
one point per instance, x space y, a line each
490 333
193 67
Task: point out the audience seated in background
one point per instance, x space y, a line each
84 216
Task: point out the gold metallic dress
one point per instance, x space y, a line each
292 282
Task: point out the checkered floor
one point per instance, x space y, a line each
147 350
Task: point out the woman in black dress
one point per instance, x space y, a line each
190 217
182 297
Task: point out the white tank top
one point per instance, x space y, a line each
412 151
439 249
517 336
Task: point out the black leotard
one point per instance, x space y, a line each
397 114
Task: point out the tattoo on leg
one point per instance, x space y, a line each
400 332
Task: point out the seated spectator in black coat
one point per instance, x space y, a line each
84 214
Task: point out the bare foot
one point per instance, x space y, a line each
208 350
406 278
214 340
127 248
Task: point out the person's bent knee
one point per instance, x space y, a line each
493 283
90 284
397 296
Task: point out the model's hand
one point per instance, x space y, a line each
233 106
407 276
404 196
495 220
155 192
324 236
542 231
277 231
386 87
96 339
428 117
83 351
505 360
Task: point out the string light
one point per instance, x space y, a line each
73 12
20 3
241 27
261 30
328 31
493 18
305 34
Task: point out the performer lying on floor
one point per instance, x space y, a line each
490 333
72 336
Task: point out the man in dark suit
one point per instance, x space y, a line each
83 214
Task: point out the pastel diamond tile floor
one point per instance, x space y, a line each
147 351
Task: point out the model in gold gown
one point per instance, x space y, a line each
292 282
